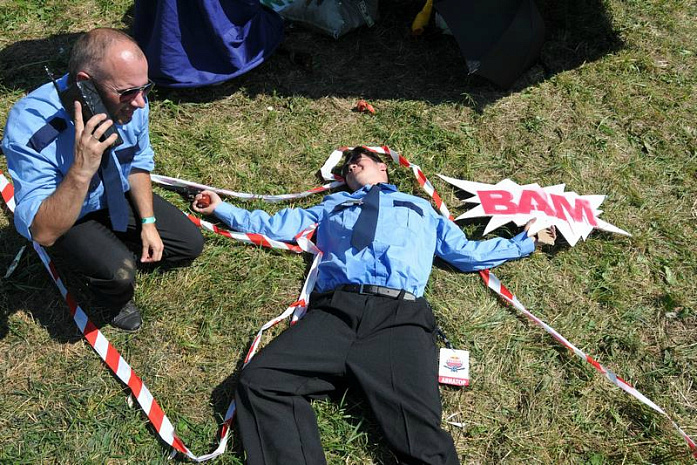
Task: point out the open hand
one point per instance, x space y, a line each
544 236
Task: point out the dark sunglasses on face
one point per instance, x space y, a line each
355 156
131 92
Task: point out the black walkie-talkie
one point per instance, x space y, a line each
87 94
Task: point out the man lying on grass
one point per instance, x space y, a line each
367 323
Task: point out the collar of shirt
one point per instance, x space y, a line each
62 82
383 187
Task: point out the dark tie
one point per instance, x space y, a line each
364 229
115 198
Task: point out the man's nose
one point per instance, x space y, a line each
139 100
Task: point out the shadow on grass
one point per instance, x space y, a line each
30 289
382 62
22 63
220 400
386 62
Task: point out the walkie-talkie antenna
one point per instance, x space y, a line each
52 78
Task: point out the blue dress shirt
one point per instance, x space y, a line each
409 233
39 141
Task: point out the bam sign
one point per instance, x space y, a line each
574 216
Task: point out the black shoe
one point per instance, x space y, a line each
128 318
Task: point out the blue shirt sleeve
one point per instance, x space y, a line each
144 158
453 246
34 176
38 181
283 226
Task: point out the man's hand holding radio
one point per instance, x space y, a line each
88 148
60 210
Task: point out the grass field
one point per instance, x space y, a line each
609 109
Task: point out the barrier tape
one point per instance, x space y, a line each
493 283
248 238
8 193
113 359
118 365
298 308
194 186
155 414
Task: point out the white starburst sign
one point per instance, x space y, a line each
574 216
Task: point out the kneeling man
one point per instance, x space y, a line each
92 204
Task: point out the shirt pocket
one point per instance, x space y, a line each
340 221
409 215
398 223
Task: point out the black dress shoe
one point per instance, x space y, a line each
128 318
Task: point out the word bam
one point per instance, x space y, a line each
574 216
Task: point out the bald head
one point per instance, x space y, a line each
99 50
115 64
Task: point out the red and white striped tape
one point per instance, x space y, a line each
120 367
298 308
248 238
175 182
489 278
8 192
113 359
493 283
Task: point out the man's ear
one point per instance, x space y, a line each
382 166
82 76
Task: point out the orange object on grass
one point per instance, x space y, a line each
362 106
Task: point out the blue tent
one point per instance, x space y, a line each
192 43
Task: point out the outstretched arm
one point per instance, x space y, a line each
454 247
283 226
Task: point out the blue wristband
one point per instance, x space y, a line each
148 220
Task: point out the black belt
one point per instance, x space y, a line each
377 290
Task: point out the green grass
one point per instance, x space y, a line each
609 110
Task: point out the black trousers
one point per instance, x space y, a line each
383 345
107 259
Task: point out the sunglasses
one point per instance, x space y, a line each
356 155
131 92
